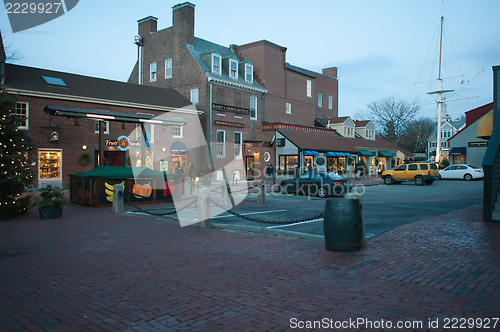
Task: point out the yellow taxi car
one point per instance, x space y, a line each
420 173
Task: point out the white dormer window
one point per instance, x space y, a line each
288 108
249 73
216 64
152 72
233 69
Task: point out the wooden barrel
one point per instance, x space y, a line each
343 224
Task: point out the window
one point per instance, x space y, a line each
253 108
233 69
401 168
249 73
216 64
330 102
412 167
288 162
152 72
22 113
288 108
309 88
424 167
49 164
320 100
221 143
105 127
168 68
177 131
237 143
56 81
194 96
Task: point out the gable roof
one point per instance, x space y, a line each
28 80
474 115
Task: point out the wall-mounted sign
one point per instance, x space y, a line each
123 143
228 124
477 144
234 109
320 161
54 136
267 156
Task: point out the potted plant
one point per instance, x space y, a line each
50 202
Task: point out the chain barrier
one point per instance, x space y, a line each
283 222
153 213
246 189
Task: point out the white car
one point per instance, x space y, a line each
462 171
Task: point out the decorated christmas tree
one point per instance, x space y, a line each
15 173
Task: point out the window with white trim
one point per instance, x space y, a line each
320 99
216 64
330 102
177 131
249 73
253 108
152 72
238 140
309 88
221 143
22 115
233 69
105 127
194 96
288 108
168 68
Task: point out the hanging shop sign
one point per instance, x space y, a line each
228 124
267 156
122 143
234 109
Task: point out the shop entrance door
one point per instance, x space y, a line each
249 165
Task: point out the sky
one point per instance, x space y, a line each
383 48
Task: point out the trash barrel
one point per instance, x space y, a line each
343 224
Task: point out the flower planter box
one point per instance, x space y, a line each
50 212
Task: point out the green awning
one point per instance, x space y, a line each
112 172
385 154
365 153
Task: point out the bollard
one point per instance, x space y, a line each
118 205
360 199
225 200
261 196
203 208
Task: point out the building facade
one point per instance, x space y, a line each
237 89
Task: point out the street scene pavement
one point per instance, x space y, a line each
96 271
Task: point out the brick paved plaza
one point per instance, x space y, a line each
95 271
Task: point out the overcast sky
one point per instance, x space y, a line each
382 48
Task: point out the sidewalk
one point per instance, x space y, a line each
97 271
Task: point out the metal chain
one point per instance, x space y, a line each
246 189
283 222
157 214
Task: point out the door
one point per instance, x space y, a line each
249 160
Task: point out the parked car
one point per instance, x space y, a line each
462 171
420 173
320 184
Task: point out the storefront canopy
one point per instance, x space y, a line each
365 153
310 153
458 150
110 172
339 154
385 154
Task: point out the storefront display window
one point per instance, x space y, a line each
149 159
308 160
288 162
49 164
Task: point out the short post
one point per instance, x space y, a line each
203 208
224 195
360 199
118 205
261 196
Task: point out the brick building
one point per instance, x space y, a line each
68 145
237 88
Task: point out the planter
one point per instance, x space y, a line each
50 212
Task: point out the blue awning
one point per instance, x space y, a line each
347 154
338 154
331 154
310 153
458 150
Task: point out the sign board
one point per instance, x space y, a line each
228 124
477 144
234 109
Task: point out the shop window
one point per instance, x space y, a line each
22 115
148 159
221 143
168 68
49 164
253 108
288 162
105 127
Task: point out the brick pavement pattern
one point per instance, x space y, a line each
95 271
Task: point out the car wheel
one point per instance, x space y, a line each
467 177
419 181
322 192
388 180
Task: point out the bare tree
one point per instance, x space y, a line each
12 54
415 137
391 117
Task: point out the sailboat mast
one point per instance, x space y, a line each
440 93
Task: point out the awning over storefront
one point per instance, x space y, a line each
178 147
364 153
348 155
385 154
310 153
337 154
458 150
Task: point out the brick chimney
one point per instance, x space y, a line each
183 22
332 72
147 25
